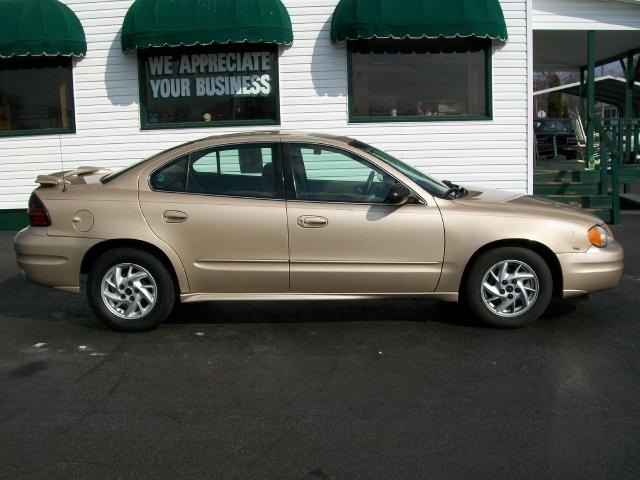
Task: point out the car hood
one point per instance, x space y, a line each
505 201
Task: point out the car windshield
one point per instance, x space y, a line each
554 125
431 185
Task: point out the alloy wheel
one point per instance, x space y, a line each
129 291
510 288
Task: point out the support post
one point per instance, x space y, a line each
583 102
632 124
591 96
615 178
630 73
604 170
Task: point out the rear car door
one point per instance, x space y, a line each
222 210
344 238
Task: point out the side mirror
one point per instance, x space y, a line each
398 195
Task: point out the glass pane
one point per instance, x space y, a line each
35 94
171 178
326 174
418 78
207 163
559 125
244 171
431 185
205 85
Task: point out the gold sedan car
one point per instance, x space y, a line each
282 216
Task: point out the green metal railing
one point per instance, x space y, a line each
619 146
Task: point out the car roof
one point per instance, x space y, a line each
275 133
213 140
243 136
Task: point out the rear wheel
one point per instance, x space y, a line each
130 290
509 287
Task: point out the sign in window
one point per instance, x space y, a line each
209 86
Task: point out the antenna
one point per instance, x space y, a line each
64 184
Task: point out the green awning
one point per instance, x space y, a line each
172 23
415 19
40 27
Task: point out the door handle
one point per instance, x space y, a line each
174 216
312 221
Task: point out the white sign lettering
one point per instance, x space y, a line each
200 74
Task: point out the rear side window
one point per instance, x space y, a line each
234 171
171 177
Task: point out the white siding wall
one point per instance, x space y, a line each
313 91
585 15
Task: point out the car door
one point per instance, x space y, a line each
223 211
344 238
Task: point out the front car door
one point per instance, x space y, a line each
222 210
344 238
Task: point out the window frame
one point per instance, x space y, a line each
276 159
289 182
488 49
142 89
51 131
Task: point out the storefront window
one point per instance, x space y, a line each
36 95
413 80
209 86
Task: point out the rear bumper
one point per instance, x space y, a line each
51 261
594 270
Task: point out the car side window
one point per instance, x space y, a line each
171 177
239 170
322 173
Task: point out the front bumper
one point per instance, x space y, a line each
49 260
594 270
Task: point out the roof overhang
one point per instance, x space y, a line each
609 90
566 50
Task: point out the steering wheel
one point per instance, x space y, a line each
369 184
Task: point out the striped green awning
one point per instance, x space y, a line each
39 27
415 19
173 23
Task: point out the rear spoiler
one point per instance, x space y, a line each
61 179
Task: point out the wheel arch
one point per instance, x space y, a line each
545 252
98 249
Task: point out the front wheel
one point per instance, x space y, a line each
509 287
130 290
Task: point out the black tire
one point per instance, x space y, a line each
165 291
510 318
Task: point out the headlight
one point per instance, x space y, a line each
599 236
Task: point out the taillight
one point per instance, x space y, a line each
38 215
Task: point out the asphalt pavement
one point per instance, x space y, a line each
398 389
